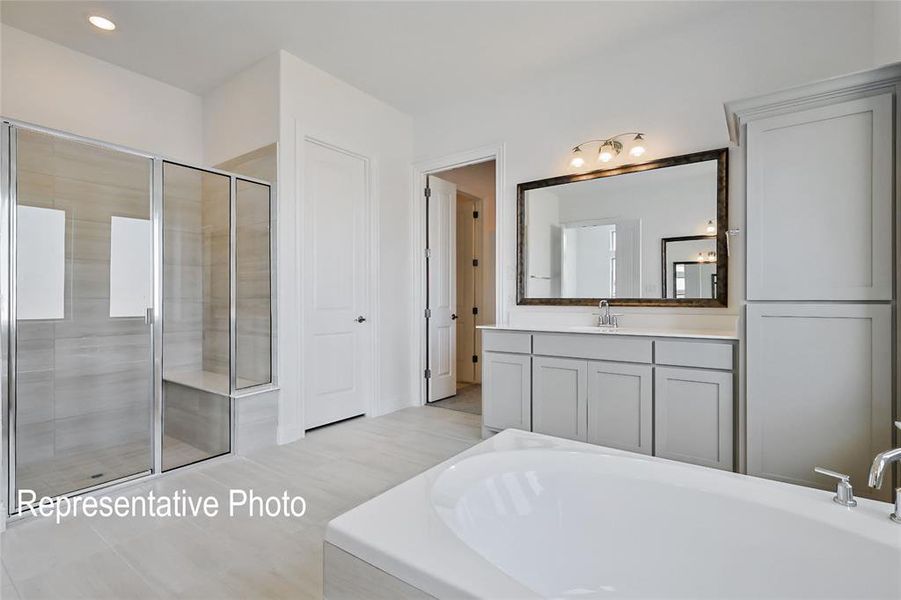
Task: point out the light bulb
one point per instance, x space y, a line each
700 257
101 23
638 146
711 228
577 160
711 256
606 153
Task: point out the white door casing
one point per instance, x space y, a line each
442 288
336 345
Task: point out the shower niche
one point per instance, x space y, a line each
136 311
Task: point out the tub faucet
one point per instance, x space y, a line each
877 473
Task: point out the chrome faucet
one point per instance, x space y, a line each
844 493
877 473
605 319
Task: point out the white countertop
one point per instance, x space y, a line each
588 329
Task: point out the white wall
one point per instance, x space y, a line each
50 85
673 87
887 32
241 115
313 104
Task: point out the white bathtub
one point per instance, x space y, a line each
523 515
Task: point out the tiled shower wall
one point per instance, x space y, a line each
83 381
215 227
255 329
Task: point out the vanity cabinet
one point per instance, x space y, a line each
560 397
620 406
507 380
666 397
693 416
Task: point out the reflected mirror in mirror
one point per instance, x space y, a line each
689 267
593 236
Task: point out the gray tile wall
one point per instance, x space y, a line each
84 381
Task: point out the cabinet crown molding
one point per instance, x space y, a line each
861 83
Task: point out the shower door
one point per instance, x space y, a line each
81 394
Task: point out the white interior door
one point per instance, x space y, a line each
337 356
442 288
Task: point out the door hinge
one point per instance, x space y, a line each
475 310
427 374
475 214
475 262
428 253
428 193
428 313
475 358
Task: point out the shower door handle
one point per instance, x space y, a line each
148 316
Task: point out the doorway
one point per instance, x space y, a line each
460 281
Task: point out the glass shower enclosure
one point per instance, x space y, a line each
135 307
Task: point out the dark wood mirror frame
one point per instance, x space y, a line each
722 210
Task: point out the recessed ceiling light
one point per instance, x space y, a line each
101 23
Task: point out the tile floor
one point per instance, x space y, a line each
334 468
468 399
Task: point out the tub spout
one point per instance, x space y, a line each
881 463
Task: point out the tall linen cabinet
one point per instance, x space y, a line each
820 166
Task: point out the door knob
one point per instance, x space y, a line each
360 319
454 317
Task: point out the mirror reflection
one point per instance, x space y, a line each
602 237
689 267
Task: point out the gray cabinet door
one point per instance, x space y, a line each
560 397
819 391
620 401
819 222
507 391
693 416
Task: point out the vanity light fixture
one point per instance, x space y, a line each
638 146
577 160
101 23
610 148
711 227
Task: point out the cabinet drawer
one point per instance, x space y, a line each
506 341
707 355
594 346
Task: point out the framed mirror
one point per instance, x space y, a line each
651 234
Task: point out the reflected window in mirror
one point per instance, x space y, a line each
592 236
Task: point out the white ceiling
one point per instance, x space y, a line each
412 55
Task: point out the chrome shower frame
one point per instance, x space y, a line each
8 205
